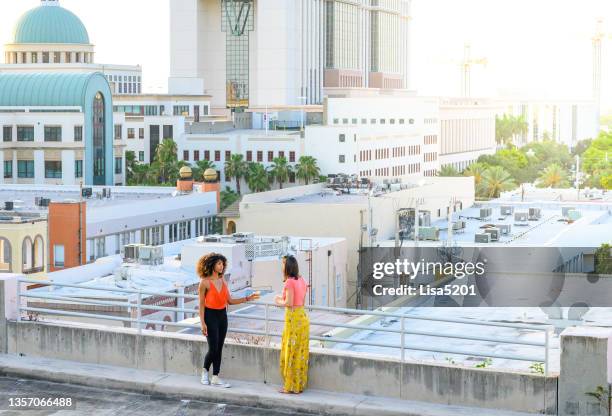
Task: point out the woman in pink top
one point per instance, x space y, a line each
295 339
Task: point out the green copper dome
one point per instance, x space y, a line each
50 23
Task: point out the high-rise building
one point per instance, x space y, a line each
272 52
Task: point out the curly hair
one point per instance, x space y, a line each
206 264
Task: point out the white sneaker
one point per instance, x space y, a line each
204 380
217 382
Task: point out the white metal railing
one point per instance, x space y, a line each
135 301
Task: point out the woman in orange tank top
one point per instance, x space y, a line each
214 297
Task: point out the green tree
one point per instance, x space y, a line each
477 171
130 163
496 180
508 126
166 162
280 170
236 168
603 259
228 197
307 169
554 176
448 170
257 178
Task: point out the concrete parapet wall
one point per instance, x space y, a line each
335 371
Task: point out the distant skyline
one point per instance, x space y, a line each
538 48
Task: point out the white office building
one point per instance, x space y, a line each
271 52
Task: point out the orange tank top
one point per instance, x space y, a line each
216 299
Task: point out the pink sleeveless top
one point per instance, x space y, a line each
299 290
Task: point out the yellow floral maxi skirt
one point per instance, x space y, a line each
294 350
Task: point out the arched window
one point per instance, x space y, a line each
6 254
99 145
27 254
39 252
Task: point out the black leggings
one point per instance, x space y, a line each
216 322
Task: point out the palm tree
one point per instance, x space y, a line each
200 167
257 178
280 170
165 159
228 197
495 180
307 169
476 170
237 168
448 170
554 176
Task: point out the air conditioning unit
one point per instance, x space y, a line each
212 239
506 210
130 252
151 255
244 236
482 238
521 218
458 225
424 219
493 232
504 229
86 192
8 205
535 214
565 210
429 233
485 213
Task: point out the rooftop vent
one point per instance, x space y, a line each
482 238
535 214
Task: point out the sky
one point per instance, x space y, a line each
533 47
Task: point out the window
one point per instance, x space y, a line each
292 156
118 165
338 286
131 133
25 133
53 169
259 156
382 121
34 57
168 134
196 155
118 128
7 133
45 57
364 121
78 168
354 121
373 121
335 121
401 121
58 255
56 57
270 156
228 155
341 158
281 154
53 134
345 121
181 110
150 110
217 155
291 177
141 156
8 169
25 168
342 138
78 133
207 155
185 154
141 133
249 156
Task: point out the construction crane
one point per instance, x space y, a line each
466 69
598 39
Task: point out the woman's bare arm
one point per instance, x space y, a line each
202 288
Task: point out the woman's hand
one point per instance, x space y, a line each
252 296
204 330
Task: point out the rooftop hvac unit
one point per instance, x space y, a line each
482 238
458 225
521 218
212 239
506 210
565 210
424 219
429 233
8 205
395 187
130 252
504 229
535 214
573 215
485 213
86 192
151 255
493 232
37 200
244 236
